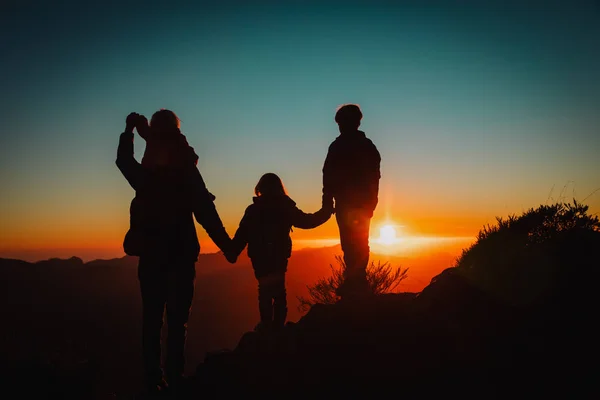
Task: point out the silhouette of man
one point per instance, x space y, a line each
168 250
351 174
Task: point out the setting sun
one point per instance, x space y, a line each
387 234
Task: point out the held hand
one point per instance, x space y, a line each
230 253
327 204
232 258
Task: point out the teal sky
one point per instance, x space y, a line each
478 110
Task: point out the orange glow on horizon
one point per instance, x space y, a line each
91 238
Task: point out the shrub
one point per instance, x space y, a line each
382 278
524 259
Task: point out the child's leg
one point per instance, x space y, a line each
279 299
265 300
272 300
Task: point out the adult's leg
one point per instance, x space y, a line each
151 274
181 281
354 226
360 234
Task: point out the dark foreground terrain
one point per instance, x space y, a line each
514 317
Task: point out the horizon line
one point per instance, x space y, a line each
414 242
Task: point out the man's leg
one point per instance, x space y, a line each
154 292
343 222
360 233
354 226
181 282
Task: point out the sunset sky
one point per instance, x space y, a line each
477 111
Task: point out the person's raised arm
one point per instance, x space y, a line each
126 162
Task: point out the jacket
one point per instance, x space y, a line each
266 225
168 199
351 172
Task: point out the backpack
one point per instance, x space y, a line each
133 241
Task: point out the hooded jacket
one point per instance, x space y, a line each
351 172
169 149
163 211
266 225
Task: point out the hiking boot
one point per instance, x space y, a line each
279 316
341 290
354 291
263 327
178 385
156 389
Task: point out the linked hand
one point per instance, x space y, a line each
327 204
232 258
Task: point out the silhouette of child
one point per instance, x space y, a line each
265 228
